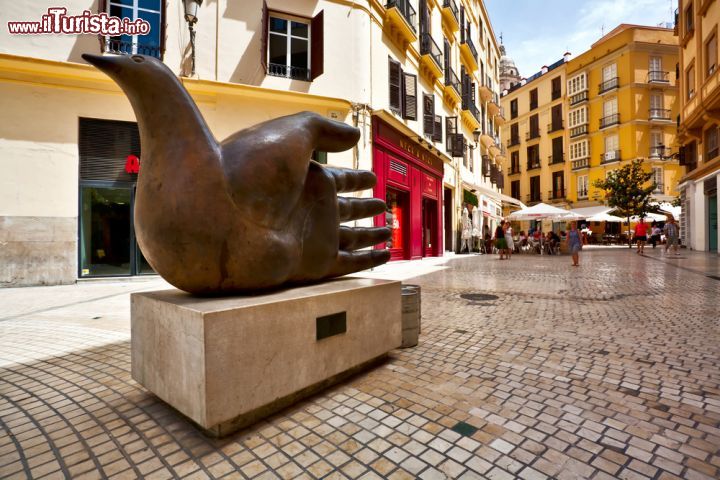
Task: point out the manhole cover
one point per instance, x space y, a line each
478 297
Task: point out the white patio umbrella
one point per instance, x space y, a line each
542 211
655 217
605 217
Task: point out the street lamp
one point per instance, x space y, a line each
191 8
476 136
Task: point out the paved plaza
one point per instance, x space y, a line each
527 368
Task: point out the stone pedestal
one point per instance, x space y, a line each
227 362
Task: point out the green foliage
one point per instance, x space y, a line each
626 191
471 198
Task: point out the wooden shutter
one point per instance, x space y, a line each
437 133
317 45
264 37
454 142
462 24
446 58
104 146
394 76
428 115
409 85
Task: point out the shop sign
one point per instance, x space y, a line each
132 164
410 147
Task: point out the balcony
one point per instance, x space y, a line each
486 92
579 130
656 76
556 94
579 98
533 163
296 73
659 188
610 120
468 52
580 163
657 153
127 48
613 156
470 113
532 135
555 126
556 158
515 169
494 106
556 195
513 141
452 87
533 199
582 194
659 115
400 18
450 15
431 57
608 85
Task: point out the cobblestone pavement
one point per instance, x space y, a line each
609 370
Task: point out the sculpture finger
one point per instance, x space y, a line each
354 262
347 180
356 208
354 238
330 135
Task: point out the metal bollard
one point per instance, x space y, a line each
411 313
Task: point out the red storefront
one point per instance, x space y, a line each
410 181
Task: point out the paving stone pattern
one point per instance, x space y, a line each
610 370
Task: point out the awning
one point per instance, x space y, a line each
543 211
496 195
586 212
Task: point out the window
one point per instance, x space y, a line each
656 144
577 84
403 91
515 189
294 45
658 179
690 82
556 118
533 99
689 19
582 186
535 189
513 109
711 55
558 183
577 117
556 88
535 126
514 134
579 150
612 145
533 156
711 143
515 162
151 11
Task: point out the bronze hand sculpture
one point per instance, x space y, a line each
250 213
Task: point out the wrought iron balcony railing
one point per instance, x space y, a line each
405 9
656 76
558 194
429 47
532 134
608 85
119 47
533 163
659 114
555 126
288 71
556 158
453 8
452 80
610 120
611 156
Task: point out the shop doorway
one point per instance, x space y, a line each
429 216
398 219
447 218
712 224
107 236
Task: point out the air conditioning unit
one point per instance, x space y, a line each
611 155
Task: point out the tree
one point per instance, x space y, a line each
625 190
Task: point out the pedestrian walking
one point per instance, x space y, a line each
509 239
500 243
672 235
574 243
641 236
655 235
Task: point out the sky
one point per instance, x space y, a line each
539 32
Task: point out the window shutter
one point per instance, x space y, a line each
462 24
437 133
317 44
681 156
395 72
409 96
264 38
104 146
446 57
428 115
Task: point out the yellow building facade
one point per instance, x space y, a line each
699 130
535 168
622 105
614 103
